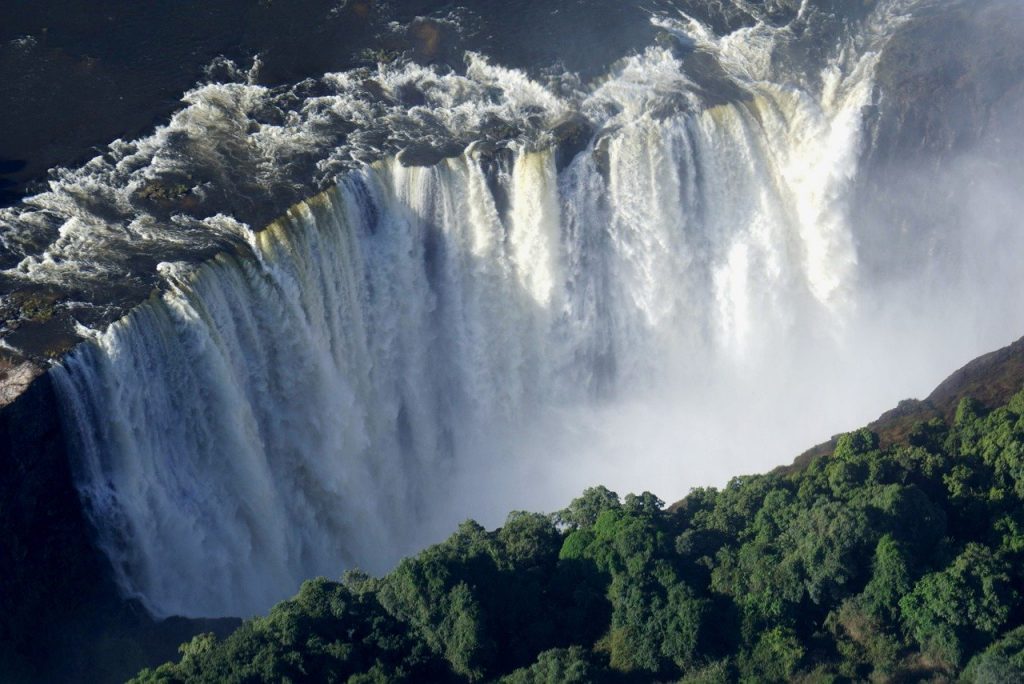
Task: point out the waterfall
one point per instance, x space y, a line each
302 411
678 303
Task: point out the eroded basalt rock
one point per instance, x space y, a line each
15 377
425 154
572 135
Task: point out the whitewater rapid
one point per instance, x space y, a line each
678 303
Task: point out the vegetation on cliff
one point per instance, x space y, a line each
883 564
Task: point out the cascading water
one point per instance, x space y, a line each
416 345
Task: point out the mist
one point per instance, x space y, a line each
956 298
939 266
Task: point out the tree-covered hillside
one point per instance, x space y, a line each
894 564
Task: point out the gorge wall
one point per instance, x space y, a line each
506 284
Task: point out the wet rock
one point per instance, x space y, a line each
359 9
411 96
426 154
495 159
572 136
372 57
714 86
44 341
164 193
37 305
492 152
601 158
495 128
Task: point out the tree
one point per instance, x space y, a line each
559 666
952 612
584 510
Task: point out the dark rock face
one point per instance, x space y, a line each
50 568
950 94
944 76
62 618
424 154
572 136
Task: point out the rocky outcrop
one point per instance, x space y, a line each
15 378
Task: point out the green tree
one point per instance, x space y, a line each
584 510
952 612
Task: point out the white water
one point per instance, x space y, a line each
419 345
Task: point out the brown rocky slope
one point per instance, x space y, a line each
990 379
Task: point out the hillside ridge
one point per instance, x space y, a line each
991 379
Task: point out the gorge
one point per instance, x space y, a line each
495 286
